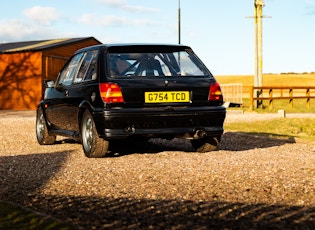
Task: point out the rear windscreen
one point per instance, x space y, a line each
166 64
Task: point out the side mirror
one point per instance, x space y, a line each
49 83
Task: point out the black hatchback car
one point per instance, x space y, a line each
120 91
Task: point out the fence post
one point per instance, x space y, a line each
270 99
251 98
291 97
308 100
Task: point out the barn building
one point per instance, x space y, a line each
24 66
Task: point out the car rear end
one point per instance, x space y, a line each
158 91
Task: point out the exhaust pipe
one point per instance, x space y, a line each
200 133
130 129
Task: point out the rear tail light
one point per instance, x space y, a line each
111 93
215 93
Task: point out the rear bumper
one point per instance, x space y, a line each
183 122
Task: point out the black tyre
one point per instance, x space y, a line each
42 134
93 145
206 144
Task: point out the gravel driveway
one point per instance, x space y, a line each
251 182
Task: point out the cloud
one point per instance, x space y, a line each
18 30
139 9
113 2
8 30
36 25
108 20
112 20
42 15
123 5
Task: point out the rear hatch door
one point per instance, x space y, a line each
151 92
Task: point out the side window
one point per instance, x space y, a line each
87 70
69 71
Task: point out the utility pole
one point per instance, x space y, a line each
259 4
179 22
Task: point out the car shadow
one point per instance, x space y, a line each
231 141
66 141
151 146
240 141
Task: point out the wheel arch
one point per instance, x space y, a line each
43 127
41 106
84 105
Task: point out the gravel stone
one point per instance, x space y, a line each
250 182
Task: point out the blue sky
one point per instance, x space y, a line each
217 30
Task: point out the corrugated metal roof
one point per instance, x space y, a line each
38 45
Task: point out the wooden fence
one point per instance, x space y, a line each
271 93
232 92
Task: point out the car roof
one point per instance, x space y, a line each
135 47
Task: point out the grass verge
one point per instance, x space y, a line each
15 217
297 128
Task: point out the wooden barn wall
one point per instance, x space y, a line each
20 80
54 59
22 74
